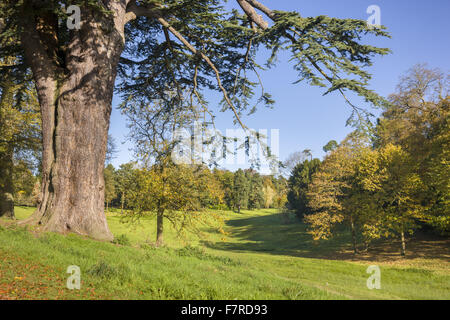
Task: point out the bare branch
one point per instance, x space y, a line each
134 11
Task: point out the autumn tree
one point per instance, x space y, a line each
152 46
292 161
110 185
255 191
398 191
124 181
212 195
111 149
226 179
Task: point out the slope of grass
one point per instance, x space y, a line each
265 255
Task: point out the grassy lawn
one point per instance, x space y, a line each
264 255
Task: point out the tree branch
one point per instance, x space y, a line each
249 8
191 48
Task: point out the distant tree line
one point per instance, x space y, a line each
222 189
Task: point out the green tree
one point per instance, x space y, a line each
299 182
19 131
399 191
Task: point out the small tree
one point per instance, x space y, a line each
147 44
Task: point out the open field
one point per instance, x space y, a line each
264 255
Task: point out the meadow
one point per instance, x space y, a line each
264 254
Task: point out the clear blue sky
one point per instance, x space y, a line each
420 33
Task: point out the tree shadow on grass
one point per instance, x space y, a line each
279 234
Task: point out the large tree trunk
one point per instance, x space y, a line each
6 184
75 102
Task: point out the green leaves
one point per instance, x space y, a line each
326 52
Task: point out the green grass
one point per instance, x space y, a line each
265 255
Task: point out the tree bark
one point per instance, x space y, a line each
6 184
159 228
75 101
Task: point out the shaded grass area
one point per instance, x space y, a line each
123 272
283 234
265 255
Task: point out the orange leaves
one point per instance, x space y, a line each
24 279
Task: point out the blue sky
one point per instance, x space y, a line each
306 119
